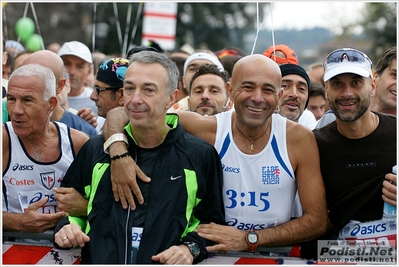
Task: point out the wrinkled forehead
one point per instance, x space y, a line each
262 69
25 84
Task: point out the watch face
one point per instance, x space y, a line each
252 238
195 250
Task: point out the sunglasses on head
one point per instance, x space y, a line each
350 55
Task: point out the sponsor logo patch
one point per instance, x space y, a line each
270 175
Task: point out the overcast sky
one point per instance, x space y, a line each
304 14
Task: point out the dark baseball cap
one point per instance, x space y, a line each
137 49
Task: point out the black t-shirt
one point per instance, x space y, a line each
353 170
146 160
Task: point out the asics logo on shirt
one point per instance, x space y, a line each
230 169
245 225
22 167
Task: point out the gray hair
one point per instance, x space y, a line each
150 57
42 72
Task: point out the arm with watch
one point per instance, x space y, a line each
188 252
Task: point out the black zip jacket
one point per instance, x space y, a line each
175 207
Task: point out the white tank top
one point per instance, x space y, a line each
258 190
26 180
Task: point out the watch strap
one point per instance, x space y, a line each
114 138
194 249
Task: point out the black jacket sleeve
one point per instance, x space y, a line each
210 208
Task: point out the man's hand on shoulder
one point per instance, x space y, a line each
124 173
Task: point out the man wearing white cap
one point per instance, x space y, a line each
357 150
79 63
191 65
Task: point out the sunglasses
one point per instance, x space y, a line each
100 89
350 55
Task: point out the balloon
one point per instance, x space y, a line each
24 28
34 43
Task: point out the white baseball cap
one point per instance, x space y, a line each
78 49
347 60
202 55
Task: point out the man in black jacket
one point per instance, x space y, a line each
185 190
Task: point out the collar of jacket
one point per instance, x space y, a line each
171 119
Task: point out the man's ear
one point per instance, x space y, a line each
172 98
374 84
5 57
60 85
53 101
183 82
229 89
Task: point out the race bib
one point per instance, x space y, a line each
27 198
136 238
378 233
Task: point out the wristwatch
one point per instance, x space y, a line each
252 240
194 249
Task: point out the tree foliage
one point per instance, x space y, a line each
212 25
202 25
215 25
380 26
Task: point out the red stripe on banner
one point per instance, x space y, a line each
24 254
163 15
153 36
244 260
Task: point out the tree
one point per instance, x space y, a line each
211 25
379 24
215 25
202 25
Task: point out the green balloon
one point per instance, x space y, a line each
24 28
34 43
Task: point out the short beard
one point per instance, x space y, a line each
352 116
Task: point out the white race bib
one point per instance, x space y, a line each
378 233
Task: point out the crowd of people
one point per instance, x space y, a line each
174 155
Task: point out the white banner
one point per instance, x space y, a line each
159 24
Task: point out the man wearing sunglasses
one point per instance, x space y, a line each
357 152
108 85
383 97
